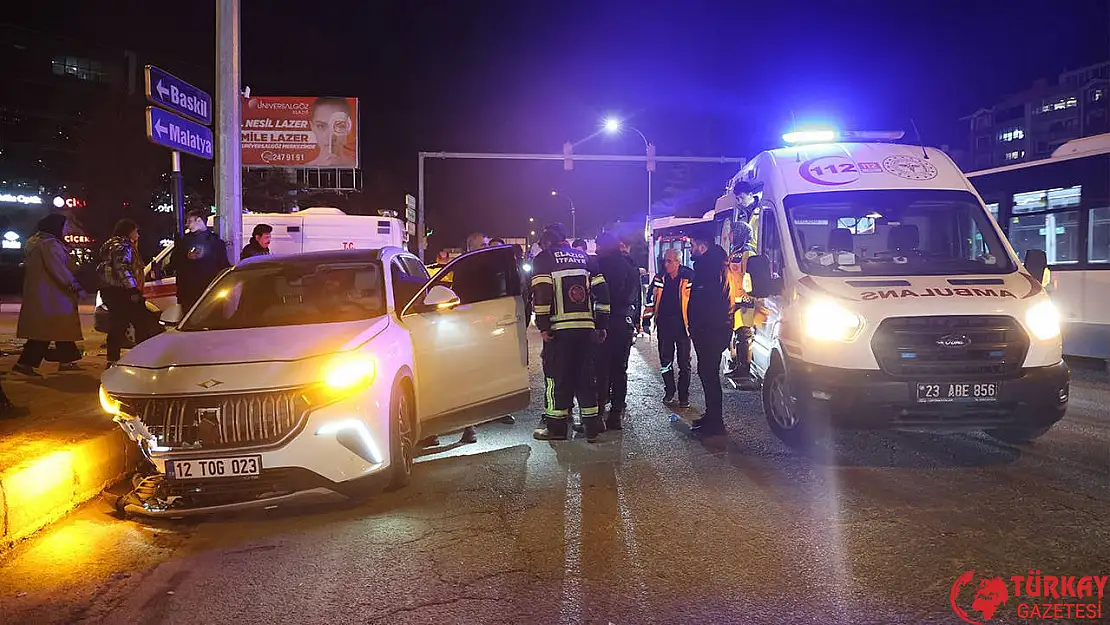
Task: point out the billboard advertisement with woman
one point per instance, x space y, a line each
300 132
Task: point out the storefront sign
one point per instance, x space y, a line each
68 202
6 197
11 241
78 239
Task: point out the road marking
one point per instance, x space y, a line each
571 604
632 548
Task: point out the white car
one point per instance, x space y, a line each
318 374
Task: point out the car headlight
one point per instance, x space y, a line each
348 372
1043 320
825 320
109 404
527 268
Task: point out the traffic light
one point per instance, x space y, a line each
568 149
651 157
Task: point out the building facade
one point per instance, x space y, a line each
1030 125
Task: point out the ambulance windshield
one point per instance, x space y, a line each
894 232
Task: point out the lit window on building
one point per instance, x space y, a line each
83 69
1014 134
1015 155
1064 197
1097 95
993 208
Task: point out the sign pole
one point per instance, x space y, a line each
421 240
229 170
178 194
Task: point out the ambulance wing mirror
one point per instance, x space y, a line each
763 285
1036 262
440 297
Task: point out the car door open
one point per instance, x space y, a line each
469 351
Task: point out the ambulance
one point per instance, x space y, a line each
894 300
314 229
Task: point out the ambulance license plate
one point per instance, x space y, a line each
957 392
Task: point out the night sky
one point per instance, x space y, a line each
698 77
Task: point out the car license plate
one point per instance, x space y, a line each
957 392
216 467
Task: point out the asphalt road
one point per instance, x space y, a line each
647 526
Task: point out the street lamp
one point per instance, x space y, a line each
613 126
555 193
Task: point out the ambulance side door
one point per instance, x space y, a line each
770 245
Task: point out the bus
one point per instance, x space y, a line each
1061 205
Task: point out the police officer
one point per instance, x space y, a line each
710 328
564 281
198 258
623 281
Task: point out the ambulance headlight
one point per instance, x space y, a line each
826 320
1043 320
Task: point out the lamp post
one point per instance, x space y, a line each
555 193
613 125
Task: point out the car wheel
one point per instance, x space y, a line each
402 437
1017 436
781 410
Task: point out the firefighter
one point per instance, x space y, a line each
668 307
744 306
564 281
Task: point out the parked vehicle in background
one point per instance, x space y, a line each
1061 205
310 230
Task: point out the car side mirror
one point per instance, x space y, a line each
1036 262
763 285
172 315
440 297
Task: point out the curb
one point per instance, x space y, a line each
14 307
38 492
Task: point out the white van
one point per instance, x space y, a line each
316 229
894 300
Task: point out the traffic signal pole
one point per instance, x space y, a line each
566 158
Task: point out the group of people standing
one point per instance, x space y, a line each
51 291
588 313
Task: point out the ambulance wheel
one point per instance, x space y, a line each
1017 436
781 409
402 436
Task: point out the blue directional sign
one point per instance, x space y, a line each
175 94
178 133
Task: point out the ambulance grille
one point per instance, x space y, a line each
950 347
220 421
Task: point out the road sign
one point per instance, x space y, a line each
178 133
175 94
410 208
410 228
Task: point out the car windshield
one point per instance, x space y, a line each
291 293
895 232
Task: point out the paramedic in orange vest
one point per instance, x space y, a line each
669 299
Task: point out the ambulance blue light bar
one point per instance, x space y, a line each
846 136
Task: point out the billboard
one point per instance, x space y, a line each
300 132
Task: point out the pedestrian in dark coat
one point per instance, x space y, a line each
48 312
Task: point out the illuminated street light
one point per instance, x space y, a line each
531 220
555 193
533 233
612 125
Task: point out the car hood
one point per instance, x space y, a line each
252 345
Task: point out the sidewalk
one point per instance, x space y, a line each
59 449
11 304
